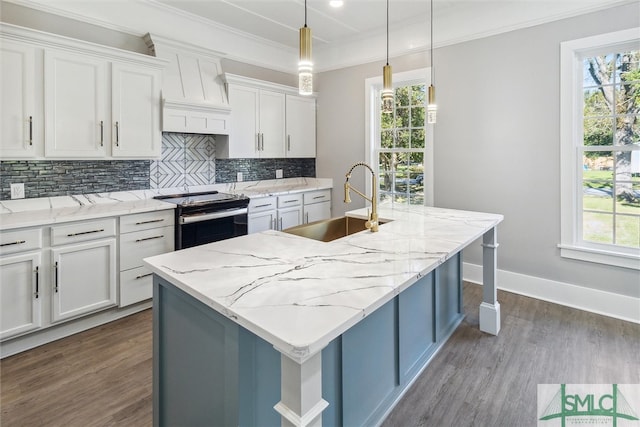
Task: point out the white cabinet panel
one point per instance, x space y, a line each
135 111
261 221
147 220
76 105
83 231
135 285
244 139
301 126
20 294
317 211
289 217
20 128
20 241
272 122
138 245
84 278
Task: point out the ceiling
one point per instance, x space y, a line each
265 32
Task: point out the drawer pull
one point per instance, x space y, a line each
143 276
37 281
319 197
150 221
149 238
290 201
85 232
17 242
262 206
56 289
117 134
101 133
31 131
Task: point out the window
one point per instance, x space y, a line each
601 149
400 142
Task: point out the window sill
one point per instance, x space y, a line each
618 259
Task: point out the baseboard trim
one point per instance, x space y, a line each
593 300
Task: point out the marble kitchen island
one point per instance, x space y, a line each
277 329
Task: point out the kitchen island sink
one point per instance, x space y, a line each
327 230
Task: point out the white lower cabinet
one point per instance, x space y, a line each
317 205
84 278
262 214
289 217
141 236
20 299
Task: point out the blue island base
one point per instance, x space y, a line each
209 371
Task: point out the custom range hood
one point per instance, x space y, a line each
194 99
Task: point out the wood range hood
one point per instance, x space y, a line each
194 99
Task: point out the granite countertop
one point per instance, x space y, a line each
52 210
299 294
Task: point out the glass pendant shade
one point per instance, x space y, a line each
387 90
432 108
305 66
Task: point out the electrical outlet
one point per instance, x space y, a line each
17 191
239 176
278 173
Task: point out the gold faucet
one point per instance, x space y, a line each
372 223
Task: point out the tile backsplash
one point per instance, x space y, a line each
187 159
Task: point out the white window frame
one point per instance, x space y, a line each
373 86
571 117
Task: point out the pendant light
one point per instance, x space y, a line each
387 85
432 108
305 66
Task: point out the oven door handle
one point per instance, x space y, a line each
188 219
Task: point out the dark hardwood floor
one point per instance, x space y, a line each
102 377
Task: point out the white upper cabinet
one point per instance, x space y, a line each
135 107
301 126
21 121
76 105
64 98
268 121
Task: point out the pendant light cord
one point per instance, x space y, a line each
387 32
305 13
431 53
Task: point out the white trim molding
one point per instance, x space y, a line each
609 304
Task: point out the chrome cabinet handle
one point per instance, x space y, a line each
56 289
85 232
273 224
306 217
149 238
150 221
37 281
117 134
257 141
17 242
290 201
319 197
288 142
30 130
280 224
143 275
262 206
262 142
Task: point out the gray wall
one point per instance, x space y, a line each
497 140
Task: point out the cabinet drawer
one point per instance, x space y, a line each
83 231
317 196
135 285
20 241
289 200
262 204
141 244
145 221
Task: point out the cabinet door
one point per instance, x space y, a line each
19 294
261 221
84 278
301 126
272 109
243 141
289 217
135 111
18 90
317 211
76 105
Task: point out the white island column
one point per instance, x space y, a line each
490 307
301 403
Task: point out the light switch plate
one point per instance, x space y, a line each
239 176
278 173
17 191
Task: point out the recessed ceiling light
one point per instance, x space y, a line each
336 3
